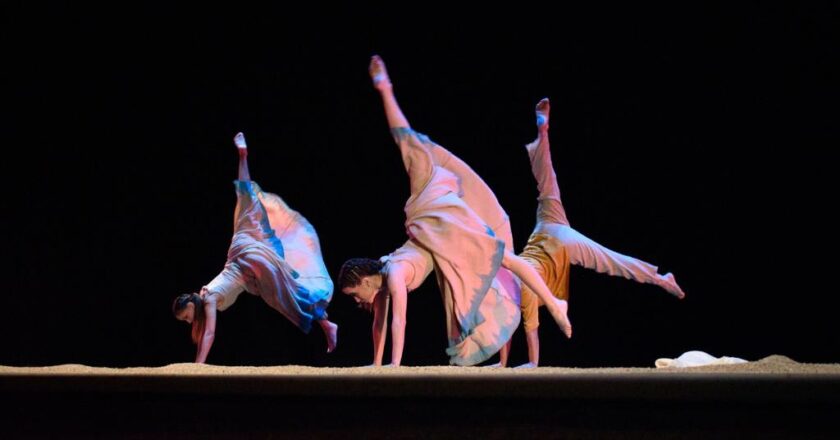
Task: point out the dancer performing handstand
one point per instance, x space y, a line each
275 254
445 233
554 245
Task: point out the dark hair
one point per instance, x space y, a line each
181 302
354 269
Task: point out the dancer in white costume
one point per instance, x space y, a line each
274 254
554 245
447 219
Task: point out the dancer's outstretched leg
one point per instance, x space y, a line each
550 208
552 219
242 147
557 307
330 333
382 83
330 328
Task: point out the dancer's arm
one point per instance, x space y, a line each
399 296
380 326
209 333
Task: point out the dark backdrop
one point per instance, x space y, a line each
699 138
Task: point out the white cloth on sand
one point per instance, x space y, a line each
696 358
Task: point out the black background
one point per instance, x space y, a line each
699 138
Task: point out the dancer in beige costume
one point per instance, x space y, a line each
274 254
554 245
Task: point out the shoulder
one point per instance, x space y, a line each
212 298
398 270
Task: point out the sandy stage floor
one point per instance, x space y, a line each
775 364
774 397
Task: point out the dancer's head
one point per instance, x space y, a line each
189 307
361 278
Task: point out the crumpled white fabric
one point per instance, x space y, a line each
696 358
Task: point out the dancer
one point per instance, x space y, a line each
445 233
274 254
554 245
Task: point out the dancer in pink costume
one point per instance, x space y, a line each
447 233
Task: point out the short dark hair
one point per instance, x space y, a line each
354 269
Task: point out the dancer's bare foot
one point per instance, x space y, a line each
526 366
378 74
559 310
239 140
669 283
330 333
542 110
